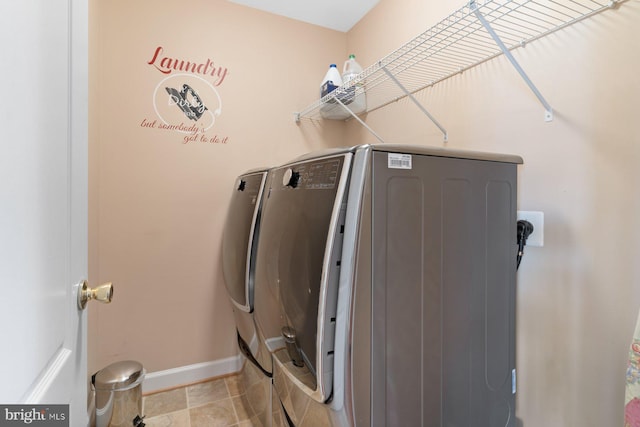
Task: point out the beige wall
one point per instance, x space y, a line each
157 205
579 295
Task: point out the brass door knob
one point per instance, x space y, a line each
102 293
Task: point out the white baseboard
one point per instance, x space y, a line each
274 344
176 377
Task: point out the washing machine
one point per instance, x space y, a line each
393 268
239 245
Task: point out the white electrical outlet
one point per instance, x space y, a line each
536 218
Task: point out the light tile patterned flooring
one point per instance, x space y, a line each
215 403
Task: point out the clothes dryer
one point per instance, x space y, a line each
394 270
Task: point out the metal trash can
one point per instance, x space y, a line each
118 390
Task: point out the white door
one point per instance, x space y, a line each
43 202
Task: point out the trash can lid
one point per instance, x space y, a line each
119 375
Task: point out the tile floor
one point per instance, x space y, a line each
215 403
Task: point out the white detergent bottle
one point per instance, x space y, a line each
331 80
355 94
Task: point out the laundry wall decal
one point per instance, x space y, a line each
186 100
167 65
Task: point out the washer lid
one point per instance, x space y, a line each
119 376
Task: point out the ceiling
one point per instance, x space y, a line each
337 15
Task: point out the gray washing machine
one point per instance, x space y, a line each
239 244
394 269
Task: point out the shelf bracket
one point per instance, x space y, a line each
355 116
548 114
415 101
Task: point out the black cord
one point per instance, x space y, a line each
525 228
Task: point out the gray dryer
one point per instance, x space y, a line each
394 268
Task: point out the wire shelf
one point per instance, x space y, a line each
459 42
